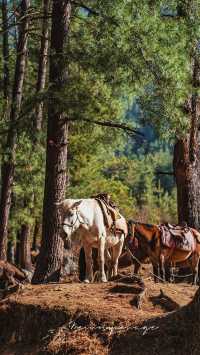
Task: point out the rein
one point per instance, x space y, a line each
139 262
77 219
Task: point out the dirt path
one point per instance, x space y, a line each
76 318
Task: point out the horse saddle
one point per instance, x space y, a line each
110 212
179 237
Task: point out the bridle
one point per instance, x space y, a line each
77 219
136 235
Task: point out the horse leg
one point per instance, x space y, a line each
195 268
156 272
162 267
82 265
137 267
102 241
117 249
171 268
89 263
140 257
108 263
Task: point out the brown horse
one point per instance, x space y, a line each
149 238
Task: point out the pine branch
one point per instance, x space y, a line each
11 15
172 16
112 124
165 173
34 16
95 13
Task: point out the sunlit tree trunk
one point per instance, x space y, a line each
8 164
187 161
24 248
50 258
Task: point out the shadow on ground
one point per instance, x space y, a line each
174 334
164 301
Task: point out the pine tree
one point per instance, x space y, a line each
8 165
50 258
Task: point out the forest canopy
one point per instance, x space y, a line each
128 62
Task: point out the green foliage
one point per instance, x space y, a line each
128 52
172 34
131 181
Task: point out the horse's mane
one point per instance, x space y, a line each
148 225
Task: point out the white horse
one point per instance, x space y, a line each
83 221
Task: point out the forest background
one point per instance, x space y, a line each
128 62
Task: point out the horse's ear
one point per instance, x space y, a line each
62 205
76 204
131 228
59 204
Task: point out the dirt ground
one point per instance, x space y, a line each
77 318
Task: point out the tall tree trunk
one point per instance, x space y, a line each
40 85
8 166
187 161
187 175
35 235
6 76
17 250
42 68
50 258
24 248
15 29
11 252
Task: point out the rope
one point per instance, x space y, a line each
182 276
150 272
139 262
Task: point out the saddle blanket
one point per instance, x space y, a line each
109 209
177 237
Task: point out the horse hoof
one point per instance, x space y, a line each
86 281
104 279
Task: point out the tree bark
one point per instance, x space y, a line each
187 162
42 68
187 176
8 165
11 252
24 248
40 85
6 75
35 235
17 251
50 258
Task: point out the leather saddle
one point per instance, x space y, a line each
178 231
112 217
179 237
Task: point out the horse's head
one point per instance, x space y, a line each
131 238
71 220
143 234
138 230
